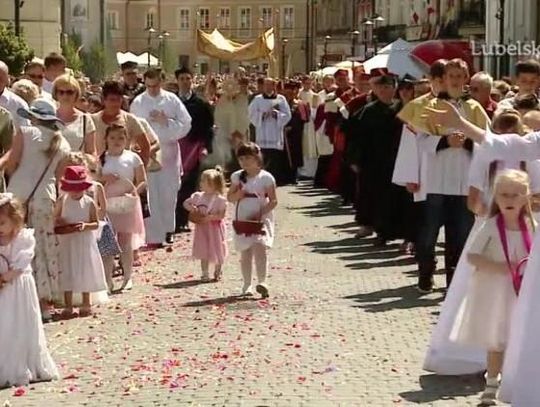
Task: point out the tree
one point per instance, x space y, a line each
71 49
14 51
94 62
168 59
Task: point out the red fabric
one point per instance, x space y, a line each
319 116
490 108
430 51
303 109
191 152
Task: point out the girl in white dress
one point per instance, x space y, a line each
497 253
124 177
24 356
253 190
443 356
81 267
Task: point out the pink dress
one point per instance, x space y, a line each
209 242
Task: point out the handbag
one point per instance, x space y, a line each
516 272
248 227
33 192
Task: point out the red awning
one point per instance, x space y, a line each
430 51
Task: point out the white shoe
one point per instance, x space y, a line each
247 291
127 284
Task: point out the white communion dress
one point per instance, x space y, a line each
24 356
81 267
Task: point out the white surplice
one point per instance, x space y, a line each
163 185
309 141
410 166
269 129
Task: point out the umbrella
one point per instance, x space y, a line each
122 57
396 58
430 51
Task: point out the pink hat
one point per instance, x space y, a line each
75 179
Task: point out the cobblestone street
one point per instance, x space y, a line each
344 326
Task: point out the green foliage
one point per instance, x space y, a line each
14 51
94 62
168 58
71 51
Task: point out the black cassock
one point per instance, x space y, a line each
202 131
374 148
294 132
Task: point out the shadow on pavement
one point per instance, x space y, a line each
436 388
182 284
232 299
394 298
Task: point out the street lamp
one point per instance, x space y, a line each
284 43
324 57
151 30
376 20
162 37
368 24
354 38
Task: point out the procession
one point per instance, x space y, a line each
344 233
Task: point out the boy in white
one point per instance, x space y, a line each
269 113
170 120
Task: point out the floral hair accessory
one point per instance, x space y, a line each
5 198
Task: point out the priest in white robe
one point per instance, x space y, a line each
269 112
309 138
171 121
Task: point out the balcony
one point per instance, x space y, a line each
389 33
472 19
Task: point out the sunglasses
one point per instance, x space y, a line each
68 92
36 76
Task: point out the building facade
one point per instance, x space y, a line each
40 23
521 24
87 18
358 28
239 21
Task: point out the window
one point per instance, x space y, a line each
245 21
184 19
112 20
266 15
183 60
150 17
288 17
225 18
204 18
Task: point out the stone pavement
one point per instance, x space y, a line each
344 327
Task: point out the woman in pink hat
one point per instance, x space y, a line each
81 268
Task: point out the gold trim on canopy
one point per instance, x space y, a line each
217 46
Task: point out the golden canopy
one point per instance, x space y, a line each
217 46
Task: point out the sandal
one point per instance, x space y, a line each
218 274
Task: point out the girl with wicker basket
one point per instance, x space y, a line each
207 210
253 190
124 178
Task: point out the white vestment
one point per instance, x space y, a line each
269 128
309 142
163 185
410 166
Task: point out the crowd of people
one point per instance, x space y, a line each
96 173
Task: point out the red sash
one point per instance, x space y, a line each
515 272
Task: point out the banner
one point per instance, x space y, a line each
217 46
